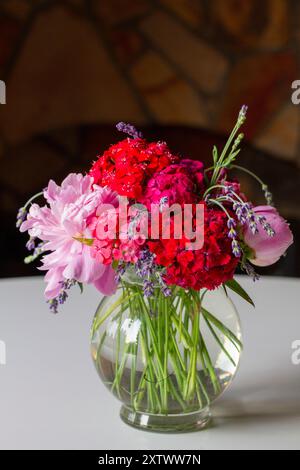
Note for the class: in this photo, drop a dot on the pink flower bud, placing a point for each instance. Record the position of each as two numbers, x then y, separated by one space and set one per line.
268 249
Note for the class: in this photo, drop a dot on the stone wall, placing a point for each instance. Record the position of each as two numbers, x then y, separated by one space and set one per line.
187 62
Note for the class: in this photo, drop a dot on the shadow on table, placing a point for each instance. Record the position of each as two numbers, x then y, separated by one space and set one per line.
271 401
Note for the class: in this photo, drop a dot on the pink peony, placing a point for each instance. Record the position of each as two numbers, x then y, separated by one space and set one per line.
267 250
179 183
71 207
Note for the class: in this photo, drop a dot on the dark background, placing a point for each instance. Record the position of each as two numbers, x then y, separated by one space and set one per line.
178 69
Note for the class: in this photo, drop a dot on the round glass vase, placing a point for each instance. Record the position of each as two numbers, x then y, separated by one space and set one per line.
166 358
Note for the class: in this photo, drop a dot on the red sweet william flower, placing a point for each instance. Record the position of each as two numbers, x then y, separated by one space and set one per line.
127 165
180 183
208 267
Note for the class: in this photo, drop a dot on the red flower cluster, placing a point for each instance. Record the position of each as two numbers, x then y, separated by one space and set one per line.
208 267
181 183
148 173
127 165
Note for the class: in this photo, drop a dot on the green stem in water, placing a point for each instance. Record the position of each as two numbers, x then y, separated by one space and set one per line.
166 353
191 379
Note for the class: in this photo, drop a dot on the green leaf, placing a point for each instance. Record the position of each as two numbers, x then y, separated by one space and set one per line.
80 287
85 241
233 155
215 154
237 288
115 264
231 158
224 330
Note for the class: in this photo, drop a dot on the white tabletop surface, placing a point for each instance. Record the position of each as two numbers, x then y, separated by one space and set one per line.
52 398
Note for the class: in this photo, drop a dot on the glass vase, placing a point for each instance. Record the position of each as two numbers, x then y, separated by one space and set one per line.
166 358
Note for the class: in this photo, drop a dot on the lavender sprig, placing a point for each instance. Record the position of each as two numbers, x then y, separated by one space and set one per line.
231 224
165 289
236 249
62 296
148 288
38 250
268 194
266 226
65 286
145 264
229 155
248 268
21 216
146 269
53 305
22 212
30 245
245 215
242 114
129 129
121 271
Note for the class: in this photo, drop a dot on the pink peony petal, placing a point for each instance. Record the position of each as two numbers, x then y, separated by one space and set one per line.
107 284
268 250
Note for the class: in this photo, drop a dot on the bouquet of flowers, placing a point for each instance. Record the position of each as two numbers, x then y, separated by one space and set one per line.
155 233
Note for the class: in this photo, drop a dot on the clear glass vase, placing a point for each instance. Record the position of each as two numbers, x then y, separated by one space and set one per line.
166 358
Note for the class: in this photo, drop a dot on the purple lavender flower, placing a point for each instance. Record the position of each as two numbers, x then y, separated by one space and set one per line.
245 214
236 249
53 305
228 189
62 296
248 268
242 114
165 289
148 288
129 129
65 286
146 269
21 216
252 223
240 212
266 226
38 250
232 234
145 264
121 271
231 223
30 245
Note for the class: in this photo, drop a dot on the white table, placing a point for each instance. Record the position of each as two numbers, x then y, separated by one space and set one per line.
52 398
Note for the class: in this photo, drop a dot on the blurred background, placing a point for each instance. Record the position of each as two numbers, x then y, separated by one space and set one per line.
178 69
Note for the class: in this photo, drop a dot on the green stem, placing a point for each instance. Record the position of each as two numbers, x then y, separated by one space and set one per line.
191 379
228 333
218 166
245 170
166 353
218 340
33 198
